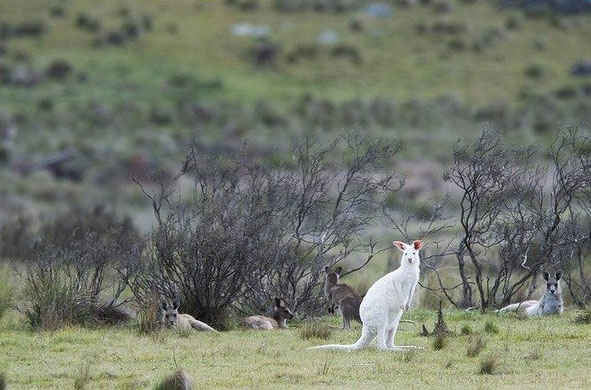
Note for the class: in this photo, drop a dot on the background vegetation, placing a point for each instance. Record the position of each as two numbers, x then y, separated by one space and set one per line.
226 151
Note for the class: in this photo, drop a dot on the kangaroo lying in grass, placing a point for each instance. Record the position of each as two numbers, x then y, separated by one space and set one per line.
385 302
550 303
341 296
281 314
171 316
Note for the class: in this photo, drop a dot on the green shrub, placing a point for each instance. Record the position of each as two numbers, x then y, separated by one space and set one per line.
87 22
534 71
57 11
315 330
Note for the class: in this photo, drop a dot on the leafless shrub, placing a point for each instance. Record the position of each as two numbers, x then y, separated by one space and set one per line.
250 233
520 215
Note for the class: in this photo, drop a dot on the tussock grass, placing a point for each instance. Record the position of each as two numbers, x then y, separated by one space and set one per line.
82 376
409 355
490 327
440 341
52 303
490 365
179 380
183 331
315 330
583 317
149 317
6 291
477 344
535 354
466 330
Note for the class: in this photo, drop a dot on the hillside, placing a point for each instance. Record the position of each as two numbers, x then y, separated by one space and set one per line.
124 86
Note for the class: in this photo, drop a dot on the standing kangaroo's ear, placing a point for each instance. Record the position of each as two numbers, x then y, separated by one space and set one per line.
278 301
417 244
176 304
558 275
399 244
327 270
338 270
163 305
546 275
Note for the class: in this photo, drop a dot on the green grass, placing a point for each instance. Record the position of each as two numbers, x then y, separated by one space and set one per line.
397 61
528 355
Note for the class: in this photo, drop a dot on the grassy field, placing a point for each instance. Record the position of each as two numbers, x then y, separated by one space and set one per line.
531 354
195 37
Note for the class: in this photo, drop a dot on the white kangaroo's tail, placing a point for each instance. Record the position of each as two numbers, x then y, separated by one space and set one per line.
199 325
517 306
364 340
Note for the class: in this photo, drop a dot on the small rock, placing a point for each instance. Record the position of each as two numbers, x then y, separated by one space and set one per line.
582 68
250 30
328 37
379 10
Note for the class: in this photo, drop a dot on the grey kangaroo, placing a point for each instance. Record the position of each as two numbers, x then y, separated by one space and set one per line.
281 314
341 296
171 317
550 303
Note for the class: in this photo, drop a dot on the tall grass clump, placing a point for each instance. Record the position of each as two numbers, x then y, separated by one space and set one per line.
476 346
582 318
6 291
315 330
78 270
149 316
490 364
82 376
51 302
440 341
177 381
466 330
490 327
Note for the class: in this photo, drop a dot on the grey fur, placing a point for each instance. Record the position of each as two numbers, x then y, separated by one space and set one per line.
550 303
342 296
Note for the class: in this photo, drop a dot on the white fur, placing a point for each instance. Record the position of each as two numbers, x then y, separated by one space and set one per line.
385 302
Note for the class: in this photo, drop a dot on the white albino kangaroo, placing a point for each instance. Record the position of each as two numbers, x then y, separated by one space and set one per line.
385 301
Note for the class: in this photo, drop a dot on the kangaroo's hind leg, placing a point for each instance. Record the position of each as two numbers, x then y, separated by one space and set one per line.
392 332
382 338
